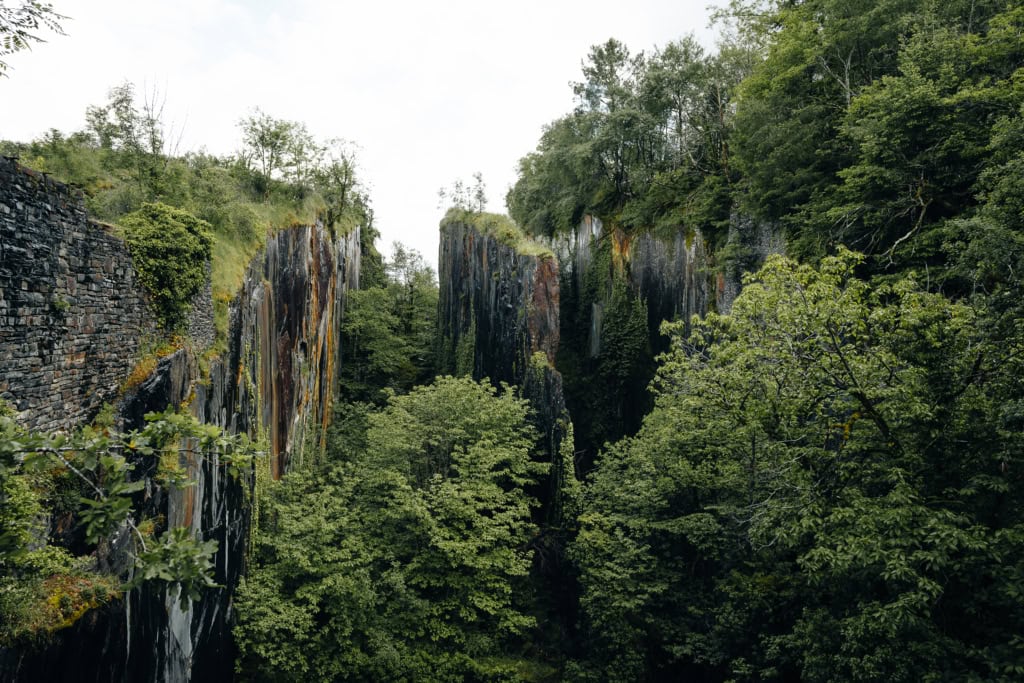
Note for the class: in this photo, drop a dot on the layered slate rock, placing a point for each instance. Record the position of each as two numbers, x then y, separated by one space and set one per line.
672 274
499 319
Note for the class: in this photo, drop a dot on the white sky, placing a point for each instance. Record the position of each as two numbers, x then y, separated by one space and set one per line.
429 91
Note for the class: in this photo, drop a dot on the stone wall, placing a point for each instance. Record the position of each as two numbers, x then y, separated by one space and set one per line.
199 324
72 314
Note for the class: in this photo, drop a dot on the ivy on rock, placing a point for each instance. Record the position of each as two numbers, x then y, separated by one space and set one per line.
170 249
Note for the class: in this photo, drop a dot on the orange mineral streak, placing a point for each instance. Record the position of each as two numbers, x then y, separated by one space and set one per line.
188 500
543 318
298 340
621 243
269 385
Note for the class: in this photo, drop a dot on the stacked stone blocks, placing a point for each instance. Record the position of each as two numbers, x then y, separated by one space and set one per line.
72 313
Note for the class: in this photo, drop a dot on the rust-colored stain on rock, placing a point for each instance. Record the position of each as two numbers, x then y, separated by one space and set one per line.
621 243
544 320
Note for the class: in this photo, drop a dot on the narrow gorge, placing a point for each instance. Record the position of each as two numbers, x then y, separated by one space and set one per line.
733 392
77 329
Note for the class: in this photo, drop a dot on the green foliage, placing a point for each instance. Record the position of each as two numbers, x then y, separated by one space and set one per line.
180 560
606 343
125 157
406 559
463 196
276 148
371 263
500 227
170 249
89 479
647 146
801 501
869 123
827 487
379 356
18 26
388 330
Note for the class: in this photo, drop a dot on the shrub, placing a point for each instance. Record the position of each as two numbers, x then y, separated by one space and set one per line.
170 248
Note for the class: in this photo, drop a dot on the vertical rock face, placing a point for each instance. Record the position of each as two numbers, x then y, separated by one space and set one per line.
601 292
498 307
676 275
279 375
617 289
276 381
609 279
499 318
672 275
754 241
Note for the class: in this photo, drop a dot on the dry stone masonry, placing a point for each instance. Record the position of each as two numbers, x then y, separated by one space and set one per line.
72 314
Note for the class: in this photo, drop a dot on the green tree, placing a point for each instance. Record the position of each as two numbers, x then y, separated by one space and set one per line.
334 176
92 478
170 249
19 24
922 138
646 147
133 139
555 184
866 123
405 562
388 330
277 148
823 490
672 84
461 195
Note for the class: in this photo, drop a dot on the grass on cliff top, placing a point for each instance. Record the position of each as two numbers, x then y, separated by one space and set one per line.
240 206
498 226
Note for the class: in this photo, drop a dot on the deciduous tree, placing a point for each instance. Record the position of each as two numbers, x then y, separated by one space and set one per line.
19 25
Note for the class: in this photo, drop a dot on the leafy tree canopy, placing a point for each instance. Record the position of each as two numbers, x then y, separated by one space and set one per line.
824 489
407 560
19 25
90 482
170 249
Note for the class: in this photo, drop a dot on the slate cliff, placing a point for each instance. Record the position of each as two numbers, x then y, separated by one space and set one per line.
72 322
589 303
617 288
499 318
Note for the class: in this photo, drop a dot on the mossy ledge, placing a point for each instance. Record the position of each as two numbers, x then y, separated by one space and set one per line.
498 226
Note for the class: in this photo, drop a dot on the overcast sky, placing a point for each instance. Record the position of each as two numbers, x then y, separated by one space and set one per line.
428 91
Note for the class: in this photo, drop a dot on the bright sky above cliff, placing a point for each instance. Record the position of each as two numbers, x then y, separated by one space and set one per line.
428 91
